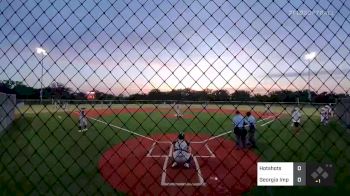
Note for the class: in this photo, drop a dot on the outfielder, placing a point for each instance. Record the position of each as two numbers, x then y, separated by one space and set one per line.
325 114
178 111
181 153
82 121
296 118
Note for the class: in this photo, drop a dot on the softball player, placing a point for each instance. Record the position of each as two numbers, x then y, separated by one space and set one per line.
181 153
296 118
330 110
82 121
325 115
178 111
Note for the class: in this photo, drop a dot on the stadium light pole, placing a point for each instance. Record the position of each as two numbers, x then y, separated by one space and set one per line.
42 52
309 57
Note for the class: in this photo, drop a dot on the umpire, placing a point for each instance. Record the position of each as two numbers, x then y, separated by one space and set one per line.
252 129
239 130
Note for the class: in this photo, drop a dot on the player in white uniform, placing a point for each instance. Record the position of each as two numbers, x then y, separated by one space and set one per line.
296 118
178 111
82 121
325 114
181 153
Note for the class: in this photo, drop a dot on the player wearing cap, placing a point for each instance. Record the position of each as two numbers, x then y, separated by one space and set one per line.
181 153
82 121
178 111
252 129
239 130
296 118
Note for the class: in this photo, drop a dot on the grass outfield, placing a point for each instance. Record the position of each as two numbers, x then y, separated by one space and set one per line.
43 153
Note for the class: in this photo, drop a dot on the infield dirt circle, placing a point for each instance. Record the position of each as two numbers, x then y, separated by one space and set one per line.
141 166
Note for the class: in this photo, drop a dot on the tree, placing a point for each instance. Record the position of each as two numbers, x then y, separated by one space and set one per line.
58 91
241 95
261 98
155 94
24 92
6 86
221 95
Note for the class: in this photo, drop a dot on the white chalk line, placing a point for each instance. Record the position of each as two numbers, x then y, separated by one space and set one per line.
159 141
163 177
149 154
268 122
165 165
228 132
150 150
212 155
121 128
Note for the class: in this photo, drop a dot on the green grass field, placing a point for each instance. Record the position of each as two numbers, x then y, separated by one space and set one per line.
43 153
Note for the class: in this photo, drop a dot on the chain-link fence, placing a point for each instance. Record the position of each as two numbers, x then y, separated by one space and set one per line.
171 97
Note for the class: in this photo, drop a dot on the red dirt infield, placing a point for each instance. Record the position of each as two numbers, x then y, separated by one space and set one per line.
184 116
143 167
98 112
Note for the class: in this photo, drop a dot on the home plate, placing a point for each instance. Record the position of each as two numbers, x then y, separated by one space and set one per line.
140 166
181 176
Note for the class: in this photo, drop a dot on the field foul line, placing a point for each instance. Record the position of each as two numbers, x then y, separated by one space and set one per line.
204 141
225 133
265 119
121 128
163 142
268 122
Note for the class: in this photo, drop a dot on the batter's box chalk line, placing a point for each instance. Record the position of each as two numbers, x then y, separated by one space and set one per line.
200 182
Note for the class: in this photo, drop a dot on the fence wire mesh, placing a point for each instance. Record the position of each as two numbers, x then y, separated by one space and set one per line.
153 97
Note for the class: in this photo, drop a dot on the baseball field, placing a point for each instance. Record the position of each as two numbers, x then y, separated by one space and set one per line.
126 150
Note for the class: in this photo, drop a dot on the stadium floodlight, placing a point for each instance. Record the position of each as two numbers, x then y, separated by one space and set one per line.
42 52
309 57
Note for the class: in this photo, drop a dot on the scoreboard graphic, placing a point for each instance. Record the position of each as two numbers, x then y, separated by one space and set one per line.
295 174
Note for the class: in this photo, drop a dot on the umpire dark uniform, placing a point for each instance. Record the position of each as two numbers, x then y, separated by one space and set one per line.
239 130
252 129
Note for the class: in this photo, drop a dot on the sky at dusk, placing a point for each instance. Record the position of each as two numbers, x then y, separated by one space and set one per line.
133 46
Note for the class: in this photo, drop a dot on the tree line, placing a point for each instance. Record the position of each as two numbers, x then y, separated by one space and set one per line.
60 91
